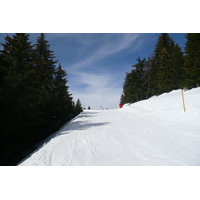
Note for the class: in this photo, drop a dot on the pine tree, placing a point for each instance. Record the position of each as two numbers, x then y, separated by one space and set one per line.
135 86
140 81
62 102
18 77
34 97
2 86
45 63
55 101
128 88
122 99
147 77
161 65
46 70
177 62
192 61
78 107
16 94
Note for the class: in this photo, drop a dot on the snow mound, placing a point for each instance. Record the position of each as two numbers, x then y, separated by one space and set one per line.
154 132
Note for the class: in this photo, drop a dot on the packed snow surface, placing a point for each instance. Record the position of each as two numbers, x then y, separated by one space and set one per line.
154 132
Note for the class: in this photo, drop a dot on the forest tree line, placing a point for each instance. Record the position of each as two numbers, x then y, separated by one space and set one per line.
169 68
34 96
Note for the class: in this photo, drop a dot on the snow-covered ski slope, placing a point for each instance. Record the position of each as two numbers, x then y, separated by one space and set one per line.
151 132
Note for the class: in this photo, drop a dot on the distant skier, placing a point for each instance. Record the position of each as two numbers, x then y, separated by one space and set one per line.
120 105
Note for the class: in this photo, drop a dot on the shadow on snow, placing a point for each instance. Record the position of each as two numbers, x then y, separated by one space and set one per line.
87 114
79 125
70 126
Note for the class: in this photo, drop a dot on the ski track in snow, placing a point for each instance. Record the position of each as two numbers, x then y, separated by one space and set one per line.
152 132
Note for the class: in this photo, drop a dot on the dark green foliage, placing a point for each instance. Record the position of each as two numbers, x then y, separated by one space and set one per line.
136 85
192 61
161 73
127 89
34 97
147 76
45 83
161 80
78 107
63 107
177 62
16 95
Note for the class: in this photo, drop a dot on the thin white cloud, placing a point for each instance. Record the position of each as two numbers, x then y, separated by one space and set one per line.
91 81
97 86
99 90
108 48
96 89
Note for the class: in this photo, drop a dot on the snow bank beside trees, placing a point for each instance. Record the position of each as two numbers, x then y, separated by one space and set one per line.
153 132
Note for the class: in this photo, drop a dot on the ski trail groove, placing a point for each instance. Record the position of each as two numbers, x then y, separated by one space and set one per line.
151 132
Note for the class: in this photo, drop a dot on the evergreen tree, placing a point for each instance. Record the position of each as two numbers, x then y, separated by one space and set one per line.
162 72
122 99
78 107
140 82
161 65
135 85
192 61
16 94
166 70
46 70
147 76
128 88
45 63
62 102
177 62
34 97
2 86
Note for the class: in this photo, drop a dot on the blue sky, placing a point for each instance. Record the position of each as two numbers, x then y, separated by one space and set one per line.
96 63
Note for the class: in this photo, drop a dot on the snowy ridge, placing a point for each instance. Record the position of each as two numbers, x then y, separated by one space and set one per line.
155 132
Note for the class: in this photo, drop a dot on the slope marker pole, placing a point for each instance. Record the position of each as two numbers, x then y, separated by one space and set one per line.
183 100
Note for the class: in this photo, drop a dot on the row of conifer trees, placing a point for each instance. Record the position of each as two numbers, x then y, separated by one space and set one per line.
169 68
34 97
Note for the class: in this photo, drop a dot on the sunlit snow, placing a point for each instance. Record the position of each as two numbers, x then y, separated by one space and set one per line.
154 132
